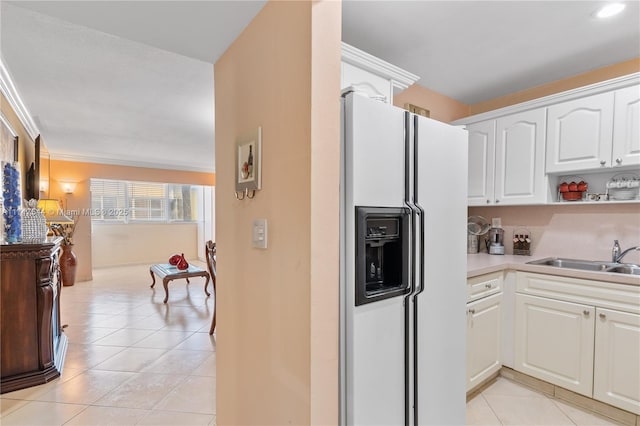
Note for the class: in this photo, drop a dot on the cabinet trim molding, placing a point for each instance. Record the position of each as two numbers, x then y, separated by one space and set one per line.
399 77
592 89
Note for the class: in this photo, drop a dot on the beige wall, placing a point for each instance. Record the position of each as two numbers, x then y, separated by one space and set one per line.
446 109
590 77
131 244
278 308
441 107
81 198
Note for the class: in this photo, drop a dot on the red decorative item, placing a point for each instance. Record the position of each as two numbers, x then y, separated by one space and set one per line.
572 191
179 261
183 264
173 260
564 187
572 196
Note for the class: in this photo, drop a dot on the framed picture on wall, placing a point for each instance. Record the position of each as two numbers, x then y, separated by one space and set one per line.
249 162
8 141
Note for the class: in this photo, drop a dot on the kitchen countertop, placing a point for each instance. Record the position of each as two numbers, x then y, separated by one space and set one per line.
483 263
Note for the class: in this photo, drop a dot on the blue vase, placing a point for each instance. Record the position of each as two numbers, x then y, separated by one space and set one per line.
12 202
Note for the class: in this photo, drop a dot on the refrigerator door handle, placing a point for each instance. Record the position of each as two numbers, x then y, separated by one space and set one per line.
416 203
418 271
417 245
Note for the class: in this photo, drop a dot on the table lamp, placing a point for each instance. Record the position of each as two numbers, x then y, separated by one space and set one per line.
52 213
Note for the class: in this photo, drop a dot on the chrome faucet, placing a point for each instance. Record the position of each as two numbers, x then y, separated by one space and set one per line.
615 252
616 255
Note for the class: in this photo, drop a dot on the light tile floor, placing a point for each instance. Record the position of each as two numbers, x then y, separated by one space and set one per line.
132 360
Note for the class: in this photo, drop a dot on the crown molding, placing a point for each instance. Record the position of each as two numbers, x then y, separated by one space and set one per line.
130 163
399 77
8 89
580 92
5 121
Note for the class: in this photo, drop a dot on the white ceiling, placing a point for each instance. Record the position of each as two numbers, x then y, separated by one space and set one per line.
132 82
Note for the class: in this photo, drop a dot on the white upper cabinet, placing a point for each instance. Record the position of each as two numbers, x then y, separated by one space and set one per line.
626 127
595 132
591 131
506 160
579 134
373 76
519 174
482 148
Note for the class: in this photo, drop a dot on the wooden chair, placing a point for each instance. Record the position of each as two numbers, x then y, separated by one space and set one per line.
210 250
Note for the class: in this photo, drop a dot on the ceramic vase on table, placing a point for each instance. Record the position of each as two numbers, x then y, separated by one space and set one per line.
68 265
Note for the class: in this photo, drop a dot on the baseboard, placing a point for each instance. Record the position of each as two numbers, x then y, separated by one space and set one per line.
482 386
624 417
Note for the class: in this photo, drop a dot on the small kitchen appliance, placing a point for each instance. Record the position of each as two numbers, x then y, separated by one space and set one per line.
476 226
496 237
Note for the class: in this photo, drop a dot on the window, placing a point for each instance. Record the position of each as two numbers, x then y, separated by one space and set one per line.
127 201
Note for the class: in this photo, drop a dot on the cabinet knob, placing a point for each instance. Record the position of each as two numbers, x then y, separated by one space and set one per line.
603 316
618 161
586 313
472 311
497 201
603 162
488 201
488 285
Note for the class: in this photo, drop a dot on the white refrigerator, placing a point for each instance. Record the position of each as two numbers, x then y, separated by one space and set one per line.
403 267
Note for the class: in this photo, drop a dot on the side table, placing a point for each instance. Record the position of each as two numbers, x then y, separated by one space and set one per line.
169 273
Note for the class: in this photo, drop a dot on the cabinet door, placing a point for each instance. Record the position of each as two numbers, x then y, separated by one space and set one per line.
519 175
481 162
616 378
554 342
483 339
579 134
626 127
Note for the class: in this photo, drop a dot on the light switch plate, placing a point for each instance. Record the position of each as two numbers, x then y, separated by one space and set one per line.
259 233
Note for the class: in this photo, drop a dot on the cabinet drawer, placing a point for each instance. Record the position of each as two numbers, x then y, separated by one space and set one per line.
484 285
595 293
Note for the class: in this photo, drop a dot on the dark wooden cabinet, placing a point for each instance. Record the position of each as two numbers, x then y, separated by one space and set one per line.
32 345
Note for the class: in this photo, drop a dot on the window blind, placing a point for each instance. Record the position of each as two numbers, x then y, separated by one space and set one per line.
131 201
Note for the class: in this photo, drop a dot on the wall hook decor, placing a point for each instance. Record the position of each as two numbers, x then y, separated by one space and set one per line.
249 164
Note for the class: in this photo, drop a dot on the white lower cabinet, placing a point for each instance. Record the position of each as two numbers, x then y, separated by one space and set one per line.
484 324
483 339
554 342
616 368
572 332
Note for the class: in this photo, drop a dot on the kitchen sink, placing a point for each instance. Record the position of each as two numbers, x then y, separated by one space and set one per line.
625 269
588 265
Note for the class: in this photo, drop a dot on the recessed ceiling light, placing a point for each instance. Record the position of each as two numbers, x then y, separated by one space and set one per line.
609 10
